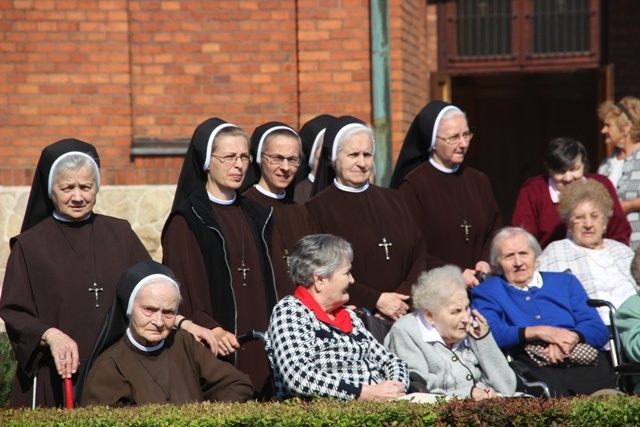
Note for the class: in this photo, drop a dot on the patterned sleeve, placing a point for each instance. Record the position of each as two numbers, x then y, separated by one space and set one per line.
291 347
391 365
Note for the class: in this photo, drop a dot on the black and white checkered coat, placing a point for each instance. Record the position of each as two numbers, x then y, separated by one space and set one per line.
311 358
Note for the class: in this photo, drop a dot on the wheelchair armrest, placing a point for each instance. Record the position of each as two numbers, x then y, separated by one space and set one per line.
251 335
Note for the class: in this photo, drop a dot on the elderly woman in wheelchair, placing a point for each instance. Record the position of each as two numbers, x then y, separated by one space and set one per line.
317 347
543 318
603 266
449 349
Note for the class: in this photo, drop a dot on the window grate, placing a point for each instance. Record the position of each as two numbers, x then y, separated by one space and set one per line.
561 26
484 28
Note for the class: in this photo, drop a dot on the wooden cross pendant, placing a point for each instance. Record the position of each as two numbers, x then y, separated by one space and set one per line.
244 270
466 227
386 247
286 259
95 290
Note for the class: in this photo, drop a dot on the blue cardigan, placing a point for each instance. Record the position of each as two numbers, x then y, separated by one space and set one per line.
561 302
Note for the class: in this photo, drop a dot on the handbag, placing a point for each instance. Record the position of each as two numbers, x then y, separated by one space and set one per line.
582 355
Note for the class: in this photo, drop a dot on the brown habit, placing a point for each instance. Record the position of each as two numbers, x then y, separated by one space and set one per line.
47 286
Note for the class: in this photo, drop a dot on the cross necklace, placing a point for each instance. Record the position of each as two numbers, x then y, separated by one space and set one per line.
385 244
95 289
465 225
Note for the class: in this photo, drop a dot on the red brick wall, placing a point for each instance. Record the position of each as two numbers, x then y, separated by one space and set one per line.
111 72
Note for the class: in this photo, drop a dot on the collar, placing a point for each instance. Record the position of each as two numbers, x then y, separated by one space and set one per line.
442 168
430 334
536 282
350 189
57 216
222 201
342 318
269 193
140 347
553 191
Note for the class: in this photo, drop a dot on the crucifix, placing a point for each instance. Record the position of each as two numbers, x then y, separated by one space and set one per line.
95 290
386 247
466 227
286 259
244 270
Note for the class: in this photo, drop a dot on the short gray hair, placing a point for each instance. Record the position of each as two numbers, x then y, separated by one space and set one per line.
507 233
435 287
320 255
74 162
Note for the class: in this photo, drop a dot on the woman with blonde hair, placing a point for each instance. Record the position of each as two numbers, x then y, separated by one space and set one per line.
622 130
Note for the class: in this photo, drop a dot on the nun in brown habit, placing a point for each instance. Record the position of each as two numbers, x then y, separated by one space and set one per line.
140 358
62 273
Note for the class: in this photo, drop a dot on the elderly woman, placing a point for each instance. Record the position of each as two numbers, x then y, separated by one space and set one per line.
62 269
312 136
216 242
603 266
543 319
536 208
277 150
447 351
142 359
622 130
317 347
453 205
375 220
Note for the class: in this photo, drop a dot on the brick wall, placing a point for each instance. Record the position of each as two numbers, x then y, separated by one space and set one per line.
113 72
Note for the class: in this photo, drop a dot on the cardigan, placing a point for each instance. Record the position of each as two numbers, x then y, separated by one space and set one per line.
628 188
561 302
536 212
311 358
565 254
474 363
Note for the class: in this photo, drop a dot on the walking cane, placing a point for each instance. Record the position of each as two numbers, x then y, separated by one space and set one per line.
68 393
35 385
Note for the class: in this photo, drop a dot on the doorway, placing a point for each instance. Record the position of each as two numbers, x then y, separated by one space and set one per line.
514 116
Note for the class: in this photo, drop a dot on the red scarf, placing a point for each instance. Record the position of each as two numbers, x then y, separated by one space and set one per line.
341 317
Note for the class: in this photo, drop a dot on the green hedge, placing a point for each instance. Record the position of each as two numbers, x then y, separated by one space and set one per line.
7 369
610 411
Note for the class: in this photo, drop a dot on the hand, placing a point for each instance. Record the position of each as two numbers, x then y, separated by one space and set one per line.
386 390
555 353
470 279
203 335
483 327
64 351
227 342
483 267
564 338
478 393
392 305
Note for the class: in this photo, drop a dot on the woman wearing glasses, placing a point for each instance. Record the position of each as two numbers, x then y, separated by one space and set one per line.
217 241
277 151
389 250
452 204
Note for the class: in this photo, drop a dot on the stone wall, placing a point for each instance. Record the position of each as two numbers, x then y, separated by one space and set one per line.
145 207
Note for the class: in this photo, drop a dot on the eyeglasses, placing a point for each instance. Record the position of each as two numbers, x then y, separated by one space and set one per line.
231 159
457 138
277 160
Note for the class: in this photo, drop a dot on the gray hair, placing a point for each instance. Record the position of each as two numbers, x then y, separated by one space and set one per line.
348 134
73 162
507 233
320 255
435 287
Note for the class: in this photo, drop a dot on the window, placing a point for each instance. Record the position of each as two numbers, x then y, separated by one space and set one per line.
507 35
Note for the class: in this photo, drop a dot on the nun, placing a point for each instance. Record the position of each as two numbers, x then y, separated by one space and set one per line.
390 251
141 359
277 151
62 273
453 205
312 136
217 244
